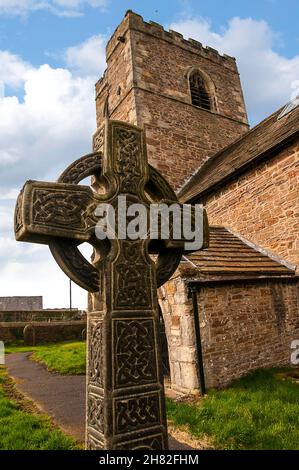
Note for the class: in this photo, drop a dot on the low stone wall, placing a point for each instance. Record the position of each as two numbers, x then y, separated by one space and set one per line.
44 332
11 332
42 315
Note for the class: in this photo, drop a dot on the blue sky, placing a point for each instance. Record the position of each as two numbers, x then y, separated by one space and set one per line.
51 54
35 34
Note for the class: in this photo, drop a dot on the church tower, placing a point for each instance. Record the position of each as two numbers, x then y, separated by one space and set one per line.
187 97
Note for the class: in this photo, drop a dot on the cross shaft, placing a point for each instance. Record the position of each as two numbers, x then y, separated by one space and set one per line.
125 392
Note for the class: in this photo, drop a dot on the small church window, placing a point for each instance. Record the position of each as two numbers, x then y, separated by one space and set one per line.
199 95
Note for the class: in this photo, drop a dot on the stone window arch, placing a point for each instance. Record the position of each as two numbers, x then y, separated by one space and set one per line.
202 90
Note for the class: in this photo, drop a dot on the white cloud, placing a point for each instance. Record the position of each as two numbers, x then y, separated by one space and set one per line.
13 69
39 137
51 125
266 75
41 277
78 3
11 194
88 57
58 7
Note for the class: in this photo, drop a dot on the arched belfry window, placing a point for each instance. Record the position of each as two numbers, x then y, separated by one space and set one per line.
199 93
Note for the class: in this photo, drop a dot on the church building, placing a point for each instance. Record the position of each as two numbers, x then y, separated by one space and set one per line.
233 307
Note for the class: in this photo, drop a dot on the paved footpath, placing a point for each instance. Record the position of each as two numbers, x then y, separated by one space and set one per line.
60 396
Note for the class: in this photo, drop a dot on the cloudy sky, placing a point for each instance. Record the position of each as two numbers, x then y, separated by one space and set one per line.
52 53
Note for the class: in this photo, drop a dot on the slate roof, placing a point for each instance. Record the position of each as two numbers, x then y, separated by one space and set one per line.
230 257
260 142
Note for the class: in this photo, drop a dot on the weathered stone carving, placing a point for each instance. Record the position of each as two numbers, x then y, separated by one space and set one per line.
131 279
18 214
95 411
135 413
127 159
98 140
152 443
135 359
125 397
95 353
60 209
82 168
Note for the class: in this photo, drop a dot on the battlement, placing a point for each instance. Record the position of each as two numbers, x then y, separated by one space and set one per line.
133 21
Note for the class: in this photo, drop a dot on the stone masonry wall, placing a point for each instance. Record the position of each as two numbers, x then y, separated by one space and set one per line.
44 332
116 85
180 136
247 326
263 205
179 327
146 83
244 326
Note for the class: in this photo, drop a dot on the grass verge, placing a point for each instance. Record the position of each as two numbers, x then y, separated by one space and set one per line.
260 411
22 428
67 358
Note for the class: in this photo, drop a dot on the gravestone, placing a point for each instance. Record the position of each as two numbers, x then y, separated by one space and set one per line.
125 392
29 335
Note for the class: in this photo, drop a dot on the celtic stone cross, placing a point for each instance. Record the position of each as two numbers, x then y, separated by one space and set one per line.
125 393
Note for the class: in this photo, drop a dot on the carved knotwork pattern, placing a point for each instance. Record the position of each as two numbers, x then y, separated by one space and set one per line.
94 444
136 413
18 214
82 168
132 278
149 443
59 208
69 257
128 159
95 352
135 361
98 140
63 209
95 412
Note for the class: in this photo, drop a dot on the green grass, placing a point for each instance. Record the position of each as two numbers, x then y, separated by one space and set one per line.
22 430
63 358
260 411
18 347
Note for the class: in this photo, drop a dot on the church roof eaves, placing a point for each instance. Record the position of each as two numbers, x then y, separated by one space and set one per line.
230 257
261 142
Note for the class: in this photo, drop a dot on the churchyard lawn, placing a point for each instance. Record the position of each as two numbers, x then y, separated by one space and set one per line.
22 427
259 411
67 358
